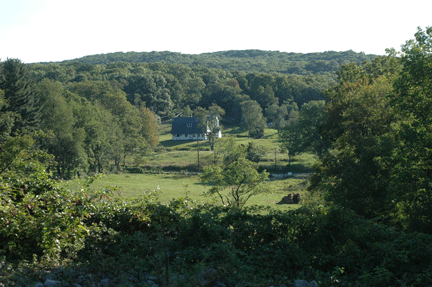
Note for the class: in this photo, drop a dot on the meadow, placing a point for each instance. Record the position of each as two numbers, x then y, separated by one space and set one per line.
185 153
180 156
169 186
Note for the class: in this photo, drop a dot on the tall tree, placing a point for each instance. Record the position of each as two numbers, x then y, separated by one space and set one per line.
214 118
253 118
20 95
7 119
412 157
149 127
210 122
303 134
66 142
358 138
277 115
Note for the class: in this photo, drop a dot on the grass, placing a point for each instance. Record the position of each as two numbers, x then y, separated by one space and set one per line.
181 155
184 153
269 140
175 185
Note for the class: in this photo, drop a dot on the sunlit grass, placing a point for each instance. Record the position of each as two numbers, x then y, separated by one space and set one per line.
174 185
183 154
269 141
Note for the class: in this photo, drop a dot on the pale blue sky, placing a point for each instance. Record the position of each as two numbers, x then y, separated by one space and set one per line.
55 30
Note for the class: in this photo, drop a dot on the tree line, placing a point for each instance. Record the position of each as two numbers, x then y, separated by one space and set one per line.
88 115
77 125
172 89
166 88
373 137
325 63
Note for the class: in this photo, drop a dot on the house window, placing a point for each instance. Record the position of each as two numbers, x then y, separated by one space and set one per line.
189 125
178 136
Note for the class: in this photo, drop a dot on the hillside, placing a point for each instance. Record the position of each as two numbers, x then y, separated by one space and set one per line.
241 60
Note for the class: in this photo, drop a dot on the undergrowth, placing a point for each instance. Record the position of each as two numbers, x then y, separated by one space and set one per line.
72 234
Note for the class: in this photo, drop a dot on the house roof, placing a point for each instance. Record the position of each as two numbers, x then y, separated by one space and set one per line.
186 125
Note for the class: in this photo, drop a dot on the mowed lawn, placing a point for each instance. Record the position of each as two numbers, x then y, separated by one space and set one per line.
174 185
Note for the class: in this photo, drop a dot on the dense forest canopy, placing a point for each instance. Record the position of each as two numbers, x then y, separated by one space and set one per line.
241 60
104 108
167 82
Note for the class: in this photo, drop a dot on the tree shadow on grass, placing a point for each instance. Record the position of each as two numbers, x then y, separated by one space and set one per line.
171 143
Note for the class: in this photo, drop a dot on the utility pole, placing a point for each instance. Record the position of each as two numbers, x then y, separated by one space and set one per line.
198 152
275 157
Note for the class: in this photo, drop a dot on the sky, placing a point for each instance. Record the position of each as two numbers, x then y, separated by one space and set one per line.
57 30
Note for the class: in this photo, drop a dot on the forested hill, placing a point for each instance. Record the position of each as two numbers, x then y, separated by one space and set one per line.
241 60
169 83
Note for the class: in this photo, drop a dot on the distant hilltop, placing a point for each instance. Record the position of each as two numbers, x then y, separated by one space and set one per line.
240 60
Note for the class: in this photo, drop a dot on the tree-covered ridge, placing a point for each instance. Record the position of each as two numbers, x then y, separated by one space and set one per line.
167 88
94 114
241 60
167 82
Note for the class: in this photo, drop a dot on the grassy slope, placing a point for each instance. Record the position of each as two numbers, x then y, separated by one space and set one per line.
180 152
183 153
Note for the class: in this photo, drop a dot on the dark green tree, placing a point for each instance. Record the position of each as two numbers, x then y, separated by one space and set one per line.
277 115
411 160
254 152
20 95
63 138
302 134
253 119
150 90
357 128
7 119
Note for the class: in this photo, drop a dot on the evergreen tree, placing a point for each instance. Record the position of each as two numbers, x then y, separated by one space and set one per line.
6 119
20 95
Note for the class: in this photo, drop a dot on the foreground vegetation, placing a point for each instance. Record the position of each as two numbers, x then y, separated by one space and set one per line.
88 236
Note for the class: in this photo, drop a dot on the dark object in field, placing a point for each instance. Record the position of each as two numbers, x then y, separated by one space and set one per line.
292 198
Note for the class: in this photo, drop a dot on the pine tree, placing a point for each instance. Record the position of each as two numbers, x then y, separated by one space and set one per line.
20 95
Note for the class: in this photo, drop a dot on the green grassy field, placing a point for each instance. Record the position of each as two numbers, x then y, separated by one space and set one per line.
183 154
175 185
269 141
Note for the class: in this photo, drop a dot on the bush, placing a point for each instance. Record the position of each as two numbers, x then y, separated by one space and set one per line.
47 225
114 236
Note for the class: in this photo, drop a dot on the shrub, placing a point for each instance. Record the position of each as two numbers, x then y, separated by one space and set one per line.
115 236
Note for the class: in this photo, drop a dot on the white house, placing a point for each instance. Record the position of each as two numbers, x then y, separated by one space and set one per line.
188 128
